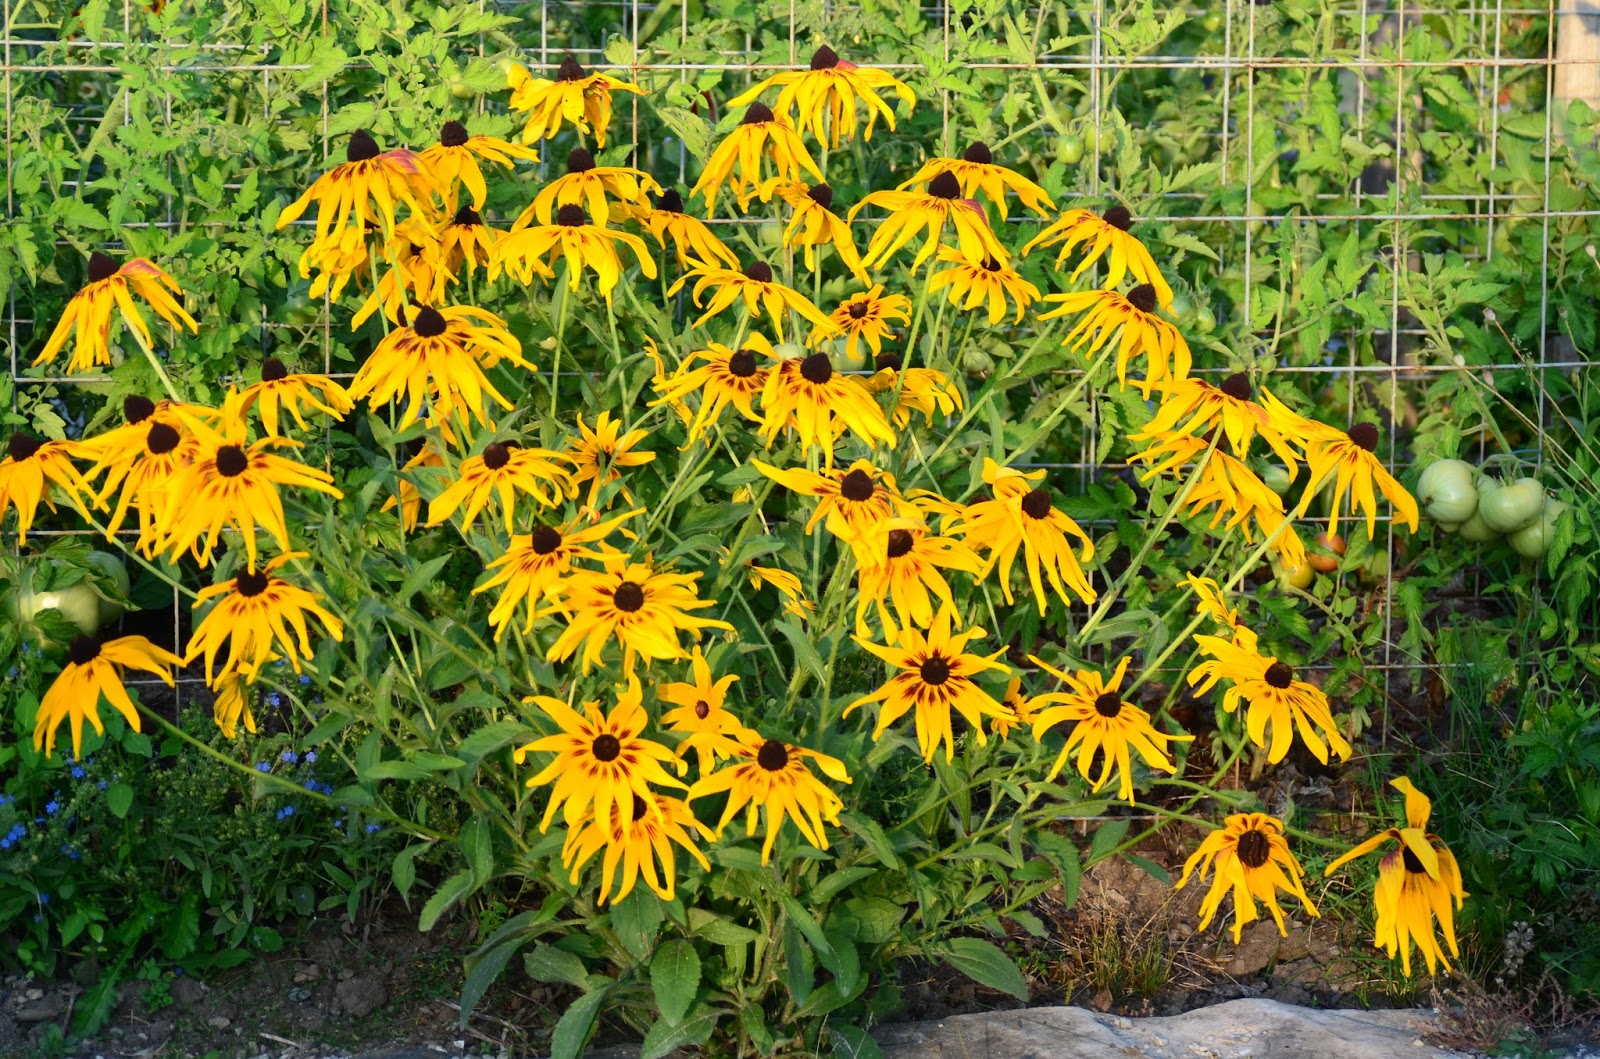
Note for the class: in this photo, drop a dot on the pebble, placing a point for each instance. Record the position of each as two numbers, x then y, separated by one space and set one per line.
218 1022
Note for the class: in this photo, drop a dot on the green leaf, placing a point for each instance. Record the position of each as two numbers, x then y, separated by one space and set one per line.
419 577
853 1042
119 799
985 964
477 846
675 976
718 931
431 762
636 920
873 835
804 652
395 770
546 963
454 889
807 925
665 1038
824 891
491 737
576 1024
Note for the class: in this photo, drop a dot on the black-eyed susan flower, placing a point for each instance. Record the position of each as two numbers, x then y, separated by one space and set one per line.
28 471
581 244
408 498
708 727
820 404
771 775
1103 235
580 99
1193 408
691 239
1275 698
865 317
1209 601
465 240
1417 883
826 94
93 671
641 608
929 210
989 283
531 569
502 469
283 390
259 617
591 186
600 454
1014 700
736 161
231 705
342 255
757 291
368 177
142 467
635 844
925 390
1348 460
413 272
977 171
1251 860
935 678
1021 516
855 500
453 162
722 377
602 760
87 318
813 222
901 563
1132 321
788 586
439 355
1102 723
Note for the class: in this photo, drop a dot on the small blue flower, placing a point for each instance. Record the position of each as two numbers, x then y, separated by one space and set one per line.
52 807
311 757
78 772
38 819
5 843
263 766
289 756
102 785
44 898
311 785
373 829
286 812
274 699
305 678
4 799
12 672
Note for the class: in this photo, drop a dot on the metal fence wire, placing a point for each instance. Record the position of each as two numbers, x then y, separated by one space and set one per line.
1392 75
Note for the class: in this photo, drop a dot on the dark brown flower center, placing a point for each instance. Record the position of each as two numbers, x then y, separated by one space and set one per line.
496 455
640 807
1412 861
101 267
990 265
1365 435
136 408
272 370
83 650
742 364
606 747
773 756
758 271
670 201
1237 386
900 542
857 486
934 670
454 134
816 368
466 216
579 160
161 439
945 186
759 113
250 584
23 446
572 216
546 539
1253 848
1279 675
1108 704
569 70
702 709
979 153
628 597
822 195
1143 298
824 58
1118 217
1037 503
231 461
858 310
361 147
428 322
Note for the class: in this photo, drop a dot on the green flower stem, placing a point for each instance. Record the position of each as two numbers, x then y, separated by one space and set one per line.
561 332
155 362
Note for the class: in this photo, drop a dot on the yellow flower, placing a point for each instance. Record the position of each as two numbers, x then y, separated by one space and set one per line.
410 499
709 729
1018 704
926 390
415 272
736 161
813 222
1252 860
829 90
255 619
641 608
1347 459
788 586
1193 408
1276 699
1022 516
602 762
866 316
901 562
1104 236
990 282
1416 884
453 161
911 212
87 317
818 402
977 172
466 240
582 244
935 677
691 239
1132 321
582 100
1103 722
384 177
532 568
855 501
636 844
598 455
279 387
724 377
756 288
772 775
27 472
340 256
1209 601
503 468
140 458
232 704
93 670
588 185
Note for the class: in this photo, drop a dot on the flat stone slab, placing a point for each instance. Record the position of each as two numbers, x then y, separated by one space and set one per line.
1253 1028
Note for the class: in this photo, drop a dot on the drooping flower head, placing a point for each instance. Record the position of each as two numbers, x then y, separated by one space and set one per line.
533 566
977 171
1022 516
1252 861
636 843
722 377
453 161
820 404
855 500
583 245
466 240
755 288
502 470
900 562
27 472
987 283
1192 408
93 671
826 95
926 390
929 210
691 239
260 617
592 187
813 222
87 318
736 161
1276 699
580 99
641 608
283 390
771 775
368 177
1104 235
1349 460
1131 320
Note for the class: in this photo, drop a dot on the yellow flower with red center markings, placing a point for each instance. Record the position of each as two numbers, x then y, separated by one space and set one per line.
788 586
533 566
1132 321
342 255
691 239
583 245
1022 517
602 762
502 470
31 466
1417 883
736 161
636 844
926 390
755 288
1275 698
592 187
255 619
708 727
414 272
1348 460
1102 722
643 609
94 670
159 446
935 678
467 240
902 563
283 390
813 222
865 317
855 501
87 318
826 96
988 282
1253 862
977 172
912 212
722 377
384 177
579 99
453 162
599 455
439 356
231 705
1193 408
808 395
1104 235
771 775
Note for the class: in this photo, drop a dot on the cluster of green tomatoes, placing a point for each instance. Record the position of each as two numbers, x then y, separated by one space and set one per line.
1481 507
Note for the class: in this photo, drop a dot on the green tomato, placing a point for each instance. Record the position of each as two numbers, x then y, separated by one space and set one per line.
114 568
1276 478
1474 529
1293 576
1512 507
1446 491
462 90
771 234
1069 149
79 604
1533 540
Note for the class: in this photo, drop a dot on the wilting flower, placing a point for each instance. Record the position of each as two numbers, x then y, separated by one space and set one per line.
691 239
772 775
1347 459
255 618
756 288
901 562
440 355
31 466
231 705
641 608
855 501
789 587
1018 704
92 670
912 212
1275 698
722 377
1417 882
466 240
502 469
87 317
533 566
1022 517
1105 235
814 223
598 455
1209 601
384 177
417 272
988 282
590 186
453 161
926 390
709 729
409 499
819 403
1130 319
1194 409
977 172
1251 859
280 388
736 161
582 100
636 844
866 316
826 96
582 244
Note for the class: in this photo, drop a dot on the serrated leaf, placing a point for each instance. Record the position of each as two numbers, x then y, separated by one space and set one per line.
985 964
575 1025
675 978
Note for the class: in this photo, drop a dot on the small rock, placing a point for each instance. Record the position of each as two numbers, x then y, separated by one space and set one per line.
33 994
299 994
218 1022
186 992
361 996
1102 1000
309 973
346 974
41 1008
